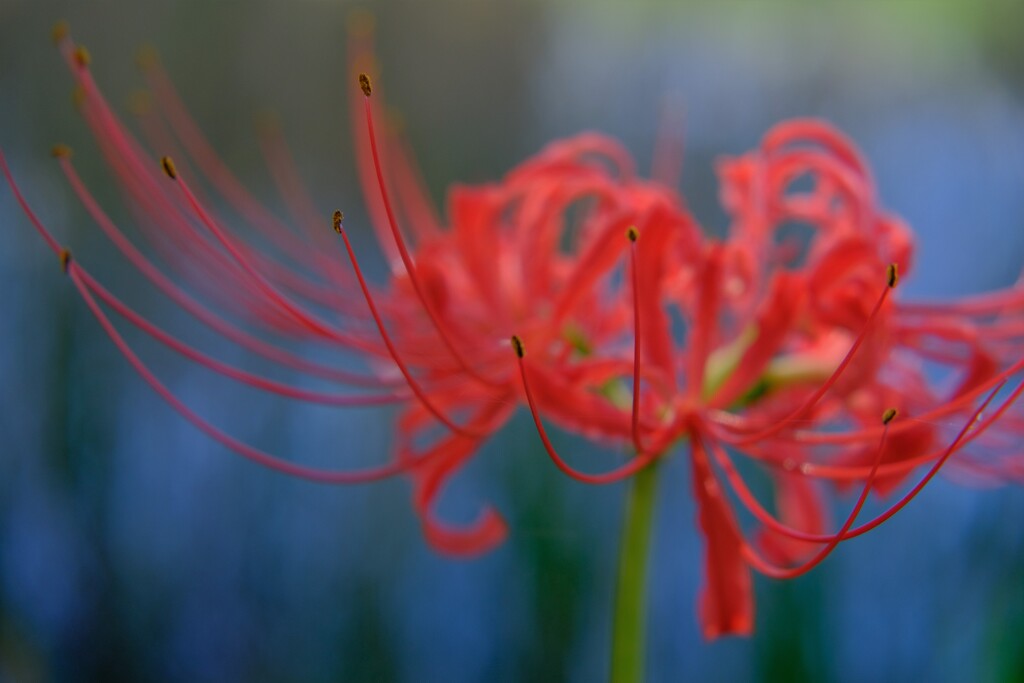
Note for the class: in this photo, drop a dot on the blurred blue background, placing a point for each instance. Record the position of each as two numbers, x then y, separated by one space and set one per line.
133 548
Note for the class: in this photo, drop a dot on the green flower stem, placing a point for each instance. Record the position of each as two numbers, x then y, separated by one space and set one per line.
629 626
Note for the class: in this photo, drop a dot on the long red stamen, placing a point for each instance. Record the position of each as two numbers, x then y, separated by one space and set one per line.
891 279
312 322
754 506
211 165
198 310
50 240
125 153
948 408
281 164
230 371
912 493
410 268
636 464
261 457
386 338
989 303
270 270
841 473
632 234
769 569
126 156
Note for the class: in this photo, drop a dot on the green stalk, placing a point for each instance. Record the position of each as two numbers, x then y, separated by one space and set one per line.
629 622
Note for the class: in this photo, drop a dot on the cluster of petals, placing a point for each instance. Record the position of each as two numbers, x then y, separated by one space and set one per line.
783 344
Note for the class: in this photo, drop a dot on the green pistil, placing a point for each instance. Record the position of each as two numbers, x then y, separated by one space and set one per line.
781 372
722 362
784 371
577 340
617 393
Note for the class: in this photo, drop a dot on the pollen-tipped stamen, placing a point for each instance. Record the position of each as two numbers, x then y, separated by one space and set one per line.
292 190
306 318
950 407
261 457
82 57
168 165
403 251
229 371
751 503
517 346
953 447
619 473
632 234
814 398
770 569
415 386
216 171
203 314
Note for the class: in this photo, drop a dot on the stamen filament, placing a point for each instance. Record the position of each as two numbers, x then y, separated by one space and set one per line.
386 338
256 455
228 370
953 448
50 240
312 322
769 569
947 408
198 310
832 379
632 234
212 166
410 268
621 472
750 502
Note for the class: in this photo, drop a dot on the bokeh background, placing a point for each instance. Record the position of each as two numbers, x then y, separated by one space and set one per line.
132 548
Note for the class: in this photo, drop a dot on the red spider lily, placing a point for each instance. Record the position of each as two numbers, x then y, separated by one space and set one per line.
791 354
796 357
435 338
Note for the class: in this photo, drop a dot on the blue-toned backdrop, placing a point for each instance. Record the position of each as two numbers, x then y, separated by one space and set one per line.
133 548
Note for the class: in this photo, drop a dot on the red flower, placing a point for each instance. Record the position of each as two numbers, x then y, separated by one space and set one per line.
796 358
629 325
435 338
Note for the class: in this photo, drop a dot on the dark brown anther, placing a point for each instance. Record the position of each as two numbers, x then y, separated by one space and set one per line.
889 415
364 83
517 345
632 233
892 275
65 259
338 218
82 56
169 168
